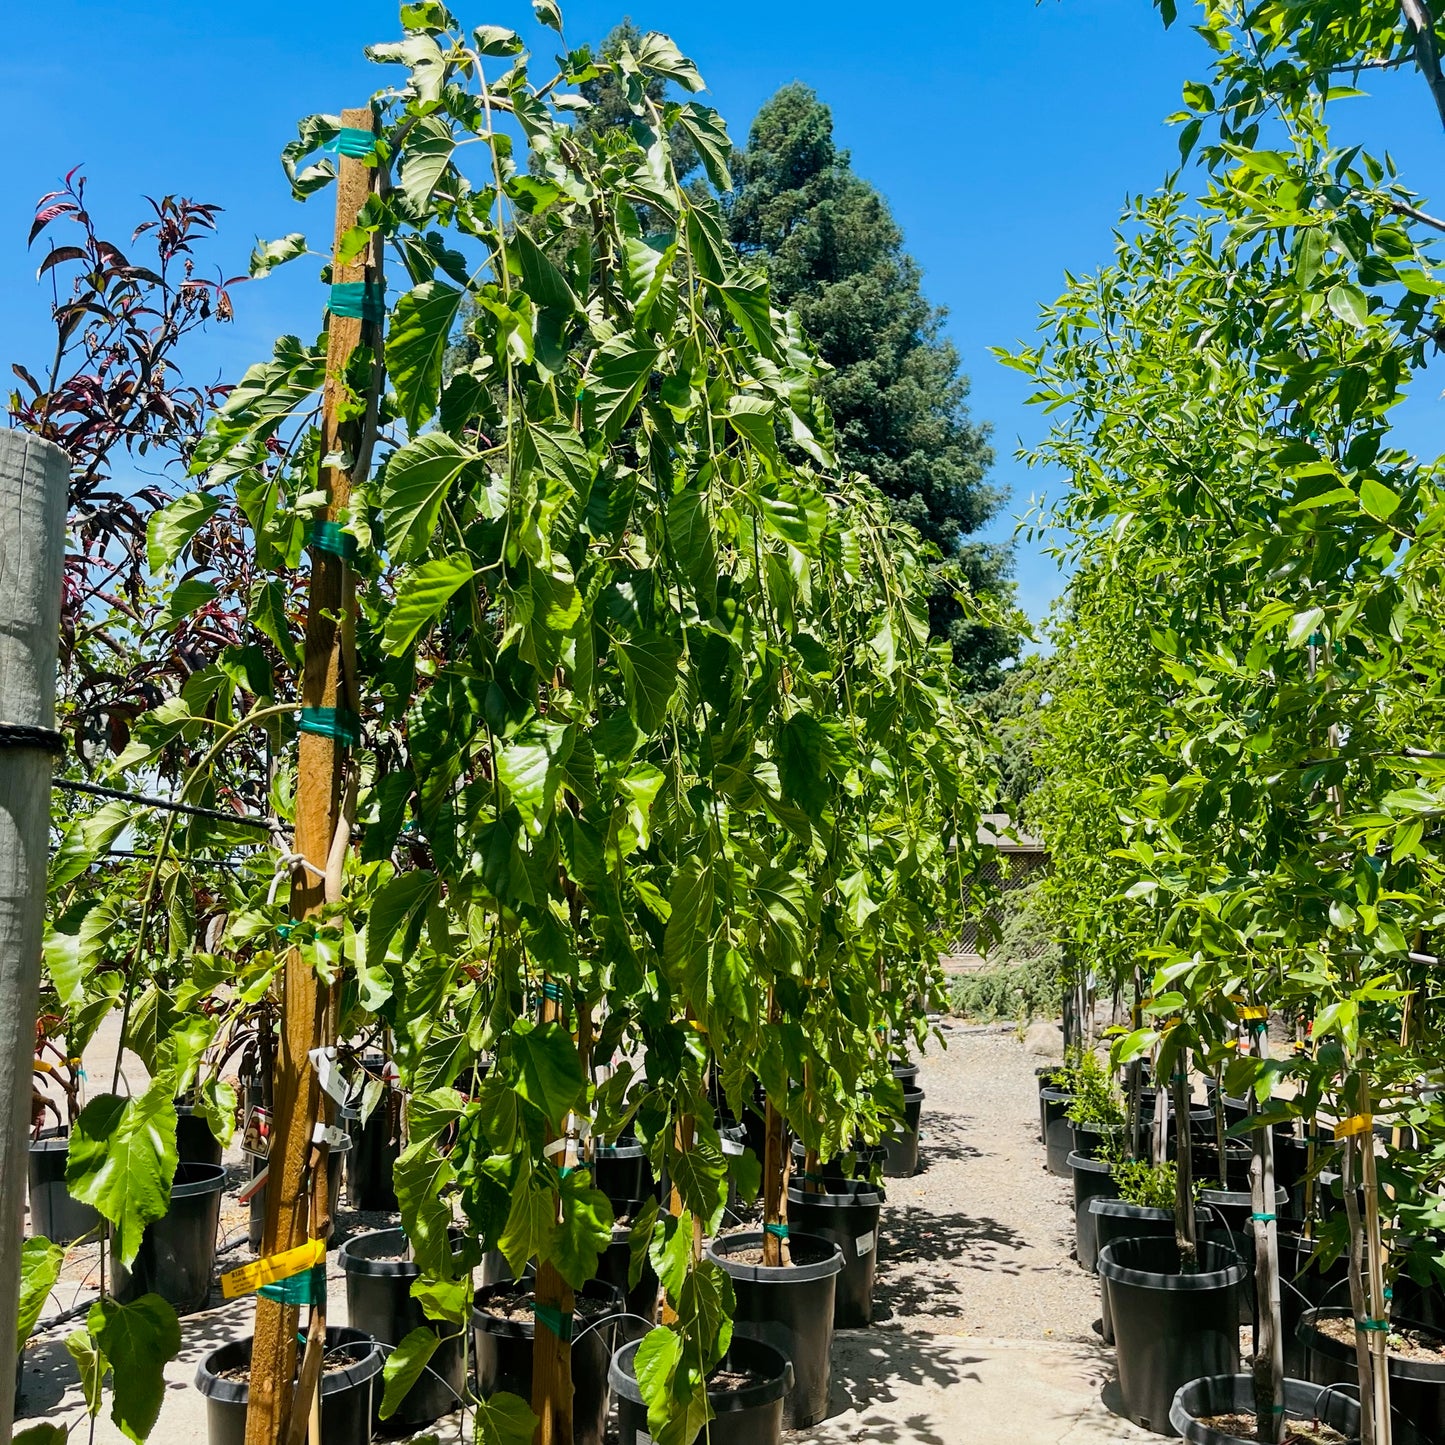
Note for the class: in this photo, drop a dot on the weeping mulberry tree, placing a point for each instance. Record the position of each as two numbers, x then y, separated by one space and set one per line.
652 762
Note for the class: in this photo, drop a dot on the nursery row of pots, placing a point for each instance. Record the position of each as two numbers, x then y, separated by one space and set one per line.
1176 1332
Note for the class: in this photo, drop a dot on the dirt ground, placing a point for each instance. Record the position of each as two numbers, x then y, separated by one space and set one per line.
982 1316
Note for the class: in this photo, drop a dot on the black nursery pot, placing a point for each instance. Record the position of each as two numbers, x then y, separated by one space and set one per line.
906 1072
847 1215
855 1166
503 1350
614 1266
622 1172
346 1394
752 1415
1114 1219
1231 1394
195 1144
334 1159
369 1184
1058 1131
1303 1285
1417 1387
1230 1227
1169 1328
178 1251
379 1302
901 1159
789 1307
54 1211
1093 1179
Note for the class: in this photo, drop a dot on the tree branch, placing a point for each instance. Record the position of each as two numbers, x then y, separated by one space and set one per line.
1421 24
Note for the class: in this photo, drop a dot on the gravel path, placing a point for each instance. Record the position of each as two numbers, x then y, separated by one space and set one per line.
980 1242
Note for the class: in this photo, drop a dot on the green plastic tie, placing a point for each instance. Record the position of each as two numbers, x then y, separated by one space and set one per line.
1378 1326
332 722
354 142
552 991
285 930
778 1231
308 1287
558 1321
329 538
1264 1218
363 299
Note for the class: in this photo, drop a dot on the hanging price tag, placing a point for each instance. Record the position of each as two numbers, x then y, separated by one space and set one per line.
1355 1124
250 1277
1249 1011
256 1137
328 1075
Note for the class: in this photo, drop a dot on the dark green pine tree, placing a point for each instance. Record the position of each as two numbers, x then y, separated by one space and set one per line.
835 255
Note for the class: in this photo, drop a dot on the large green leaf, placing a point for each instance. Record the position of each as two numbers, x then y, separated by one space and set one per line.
708 133
122 1159
649 672
659 56
418 478
422 594
689 926
87 839
425 158
530 767
138 1340
549 1073
503 1419
584 1233
531 1222
398 904
422 1175
620 371
81 1347
404 1367
545 283
175 524
40 1263
416 344
674 1392
692 537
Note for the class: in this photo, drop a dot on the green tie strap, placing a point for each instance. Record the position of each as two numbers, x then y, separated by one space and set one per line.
353 142
308 1287
558 1321
329 538
363 299
778 1231
332 722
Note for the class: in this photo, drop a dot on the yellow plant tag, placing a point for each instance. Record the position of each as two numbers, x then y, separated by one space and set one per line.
1253 1011
250 1277
1355 1124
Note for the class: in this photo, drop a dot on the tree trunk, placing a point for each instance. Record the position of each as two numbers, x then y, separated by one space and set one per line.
1184 1234
1269 1332
34 489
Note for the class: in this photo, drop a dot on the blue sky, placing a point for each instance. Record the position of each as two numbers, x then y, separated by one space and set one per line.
1004 133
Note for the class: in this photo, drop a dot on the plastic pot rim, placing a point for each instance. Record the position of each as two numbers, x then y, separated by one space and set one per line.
622 1149
354 1260
1123 1209
238 1392
622 1376
1238 1198
1055 1096
718 1252
1422 1372
1089 1166
865 1196
1241 1387
212 1180
526 1329
1170 1282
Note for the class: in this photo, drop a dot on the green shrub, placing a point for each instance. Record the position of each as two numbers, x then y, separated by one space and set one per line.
1095 1102
1148 1186
1012 993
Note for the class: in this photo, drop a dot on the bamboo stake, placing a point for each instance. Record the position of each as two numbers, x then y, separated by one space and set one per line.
775 1176
552 1346
1375 1263
328 681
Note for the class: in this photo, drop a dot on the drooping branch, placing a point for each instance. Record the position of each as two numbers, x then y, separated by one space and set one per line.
1421 24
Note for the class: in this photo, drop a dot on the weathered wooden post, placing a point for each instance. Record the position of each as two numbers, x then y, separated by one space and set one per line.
34 481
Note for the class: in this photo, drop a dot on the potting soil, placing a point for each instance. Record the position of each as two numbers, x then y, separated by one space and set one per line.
1296 1432
1404 1344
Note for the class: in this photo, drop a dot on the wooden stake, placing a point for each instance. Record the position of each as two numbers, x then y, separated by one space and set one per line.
775 1186
552 1347
328 682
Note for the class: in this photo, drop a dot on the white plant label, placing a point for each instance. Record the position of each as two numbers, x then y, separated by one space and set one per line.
865 1244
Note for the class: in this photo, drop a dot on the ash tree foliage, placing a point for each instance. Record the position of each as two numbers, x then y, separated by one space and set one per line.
1242 754
660 768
